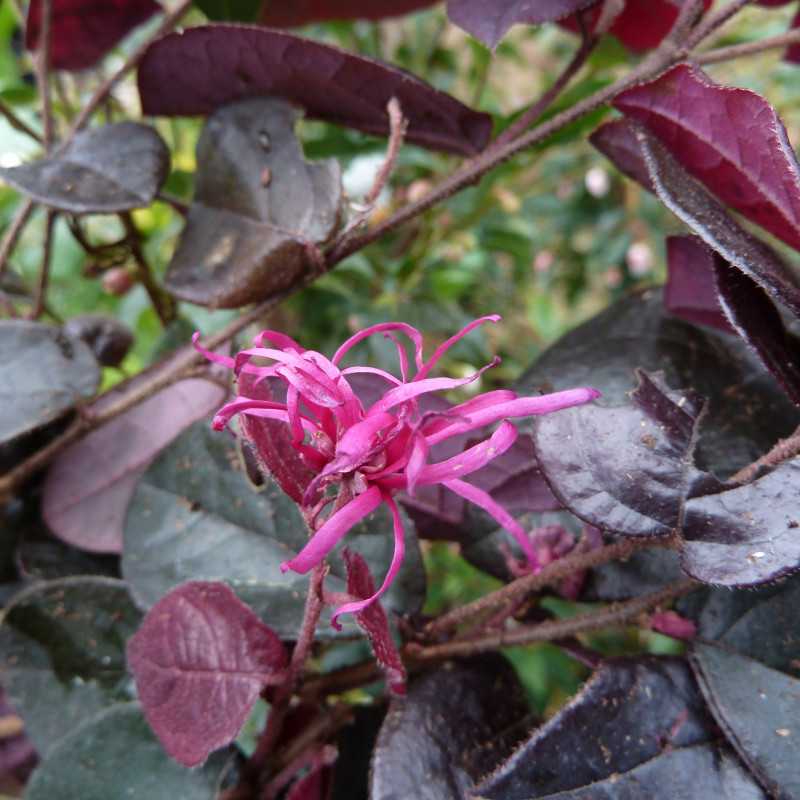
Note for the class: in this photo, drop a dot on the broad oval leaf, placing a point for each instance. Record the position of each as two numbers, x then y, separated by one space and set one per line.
200 660
747 534
46 373
628 468
456 724
62 653
758 709
292 13
232 62
617 141
638 728
747 411
115 754
83 31
194 516
89 485
109 339
490 22
111 168
730 139
258 205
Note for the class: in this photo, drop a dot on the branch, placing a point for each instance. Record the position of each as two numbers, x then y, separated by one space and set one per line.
167 24
551 574
782 451
13 232
715 20
613 615
43 72
749 49
16 122
44 272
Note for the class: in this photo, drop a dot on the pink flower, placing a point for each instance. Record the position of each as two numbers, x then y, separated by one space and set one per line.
368 455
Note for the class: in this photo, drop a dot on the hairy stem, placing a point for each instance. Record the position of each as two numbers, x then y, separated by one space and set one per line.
14 230
43 72
615 614
749 48
782 451
16 122
553 573
44 271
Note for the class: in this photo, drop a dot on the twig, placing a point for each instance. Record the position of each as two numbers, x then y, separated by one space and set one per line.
530 116
167 24
613 615
749 48
44 272
550 575
162 302
16 122
43 72
782 451
341 680
714 21
13 232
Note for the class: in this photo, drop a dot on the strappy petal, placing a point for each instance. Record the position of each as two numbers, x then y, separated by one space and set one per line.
214 358
408 330
445 346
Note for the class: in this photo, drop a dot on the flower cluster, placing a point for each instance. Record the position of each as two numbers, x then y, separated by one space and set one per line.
362 457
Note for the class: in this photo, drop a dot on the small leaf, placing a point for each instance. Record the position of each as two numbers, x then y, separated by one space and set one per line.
293 13
83 31
644 572
108 338
456 723
115 754
730 139
691 290
747 534
200 660
374 622
195 517
625 469
258 205
617 141
232 62
89 485
758 709
639 728
62 644
46 373
490 22
112 168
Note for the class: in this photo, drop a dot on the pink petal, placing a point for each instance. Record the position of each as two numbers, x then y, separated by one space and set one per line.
494 509
397 560
521 407
416 462
408 330
445 346
334 528
240 404
279 339
373 371
408 391
401 355
215 358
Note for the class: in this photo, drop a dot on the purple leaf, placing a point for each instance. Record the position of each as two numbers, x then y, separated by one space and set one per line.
292 13
695 206
758 322
793 52
617 141
232 62
200 660
374 622
747 534
490 22
83 31
17 756
109 339
89 486
730 139
691 290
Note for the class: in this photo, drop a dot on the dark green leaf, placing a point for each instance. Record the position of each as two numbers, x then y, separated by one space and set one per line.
194 516
111 168
258 206
45 374
115 754
63 653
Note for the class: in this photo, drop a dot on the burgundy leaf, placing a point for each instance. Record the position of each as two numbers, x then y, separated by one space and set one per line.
642 25
291 13
231 62
691 290
83 31
756 319
698 209
200 660
730 139
490 21
617 141
272 443
374 622
89 486
793 52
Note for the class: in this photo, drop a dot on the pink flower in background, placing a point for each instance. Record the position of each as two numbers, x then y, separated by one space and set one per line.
361 457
